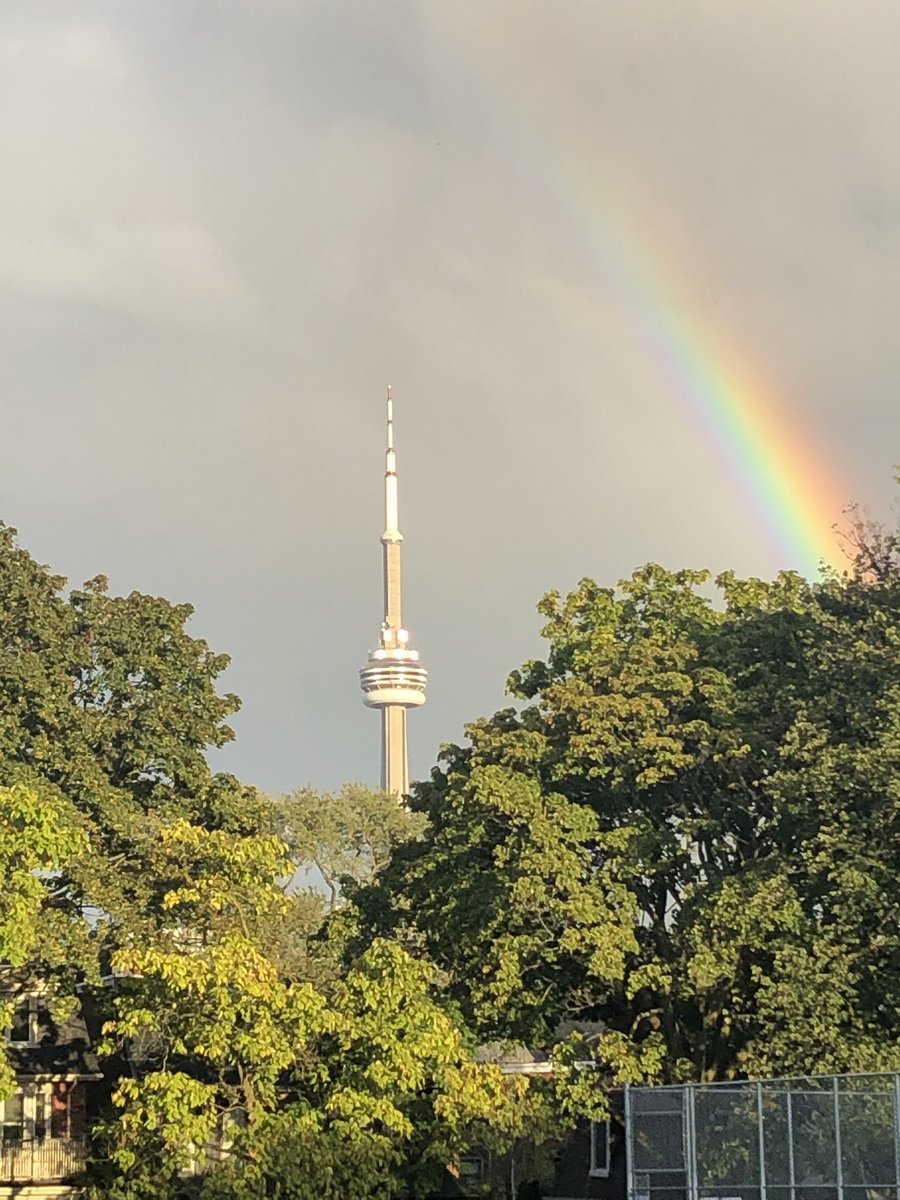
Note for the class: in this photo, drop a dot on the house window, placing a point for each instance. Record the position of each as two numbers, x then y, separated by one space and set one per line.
12 1118
600 1149
473 1170
27 1116
23 1026
41 1111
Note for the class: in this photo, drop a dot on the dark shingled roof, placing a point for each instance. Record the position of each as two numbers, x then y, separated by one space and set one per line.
63 1048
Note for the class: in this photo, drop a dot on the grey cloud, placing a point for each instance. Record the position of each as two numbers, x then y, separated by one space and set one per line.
227 225
173 272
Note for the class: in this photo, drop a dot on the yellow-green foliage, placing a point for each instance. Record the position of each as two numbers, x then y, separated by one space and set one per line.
348 1086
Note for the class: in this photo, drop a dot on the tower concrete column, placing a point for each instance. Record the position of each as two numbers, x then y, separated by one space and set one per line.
393 679
394 755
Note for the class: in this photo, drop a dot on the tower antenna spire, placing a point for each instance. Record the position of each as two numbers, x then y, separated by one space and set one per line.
391 512
393 679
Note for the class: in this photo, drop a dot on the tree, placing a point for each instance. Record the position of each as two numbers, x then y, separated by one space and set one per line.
107 708
874 548
109 703
348 837
38 836
353 1086
233 1010
105 696
687 831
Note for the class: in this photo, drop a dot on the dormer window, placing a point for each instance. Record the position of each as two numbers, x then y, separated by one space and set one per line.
23 1026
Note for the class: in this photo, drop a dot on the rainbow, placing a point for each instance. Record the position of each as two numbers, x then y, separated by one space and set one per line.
791 493
785 484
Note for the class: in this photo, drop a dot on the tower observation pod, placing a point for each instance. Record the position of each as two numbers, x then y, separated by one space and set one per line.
393 679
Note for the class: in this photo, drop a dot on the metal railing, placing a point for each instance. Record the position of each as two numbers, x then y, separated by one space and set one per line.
831 1137
30 1161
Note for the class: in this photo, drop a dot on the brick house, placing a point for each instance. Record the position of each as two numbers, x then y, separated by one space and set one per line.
43 1125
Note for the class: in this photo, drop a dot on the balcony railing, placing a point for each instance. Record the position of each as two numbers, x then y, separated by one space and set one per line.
25 1162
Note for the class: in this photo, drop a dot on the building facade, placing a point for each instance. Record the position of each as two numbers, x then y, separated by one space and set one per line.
44 1123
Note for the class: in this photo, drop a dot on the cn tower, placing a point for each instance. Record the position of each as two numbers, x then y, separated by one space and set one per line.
393 679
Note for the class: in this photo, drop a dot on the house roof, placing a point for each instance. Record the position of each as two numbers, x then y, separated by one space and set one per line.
63 1048
515 1058
61 1044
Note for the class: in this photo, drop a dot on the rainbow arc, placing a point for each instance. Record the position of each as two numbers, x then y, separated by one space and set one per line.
791 494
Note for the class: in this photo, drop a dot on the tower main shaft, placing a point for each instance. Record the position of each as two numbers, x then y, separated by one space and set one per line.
393 679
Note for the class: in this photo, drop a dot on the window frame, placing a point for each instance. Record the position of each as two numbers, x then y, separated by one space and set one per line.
33 1024
35 1105
595 1171
477 1178
20 1098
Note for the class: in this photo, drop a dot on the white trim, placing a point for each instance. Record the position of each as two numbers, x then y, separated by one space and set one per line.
27 1096
599 1172
526 1068
33 1031
60 1077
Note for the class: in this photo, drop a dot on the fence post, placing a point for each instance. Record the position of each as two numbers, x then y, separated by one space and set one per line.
790 1134
629 1135
689 1141
839 1157
897 1134
762 1142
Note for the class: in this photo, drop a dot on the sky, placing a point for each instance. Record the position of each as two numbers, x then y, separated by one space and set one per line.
565 233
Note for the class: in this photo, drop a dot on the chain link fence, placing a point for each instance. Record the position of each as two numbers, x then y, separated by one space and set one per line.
831 1137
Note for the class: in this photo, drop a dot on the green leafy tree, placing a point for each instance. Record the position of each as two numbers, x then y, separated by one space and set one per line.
686 831
39 834
110 703
235 1016
355 1085
106 697
347 836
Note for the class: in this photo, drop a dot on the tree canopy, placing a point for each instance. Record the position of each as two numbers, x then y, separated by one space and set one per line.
235 1018
109 705
349 1079
686 829
682 833
39 835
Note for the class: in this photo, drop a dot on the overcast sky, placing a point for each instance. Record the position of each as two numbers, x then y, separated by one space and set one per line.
225 225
